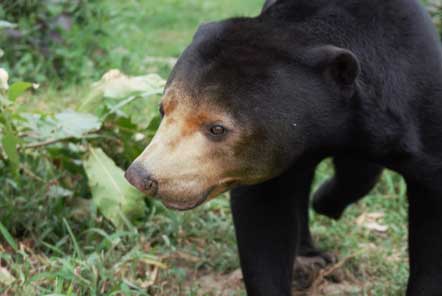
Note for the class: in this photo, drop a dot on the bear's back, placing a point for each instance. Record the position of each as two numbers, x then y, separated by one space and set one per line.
377 21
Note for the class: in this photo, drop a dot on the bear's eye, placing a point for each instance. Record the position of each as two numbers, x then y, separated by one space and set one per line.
217 130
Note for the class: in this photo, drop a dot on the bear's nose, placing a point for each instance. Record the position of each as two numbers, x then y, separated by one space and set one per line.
141 179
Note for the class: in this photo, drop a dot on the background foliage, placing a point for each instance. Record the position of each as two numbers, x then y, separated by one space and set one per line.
64 232
56 40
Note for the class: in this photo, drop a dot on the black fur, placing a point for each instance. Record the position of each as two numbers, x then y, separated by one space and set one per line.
356 80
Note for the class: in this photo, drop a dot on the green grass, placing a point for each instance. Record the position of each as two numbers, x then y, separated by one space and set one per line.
143 29
69 250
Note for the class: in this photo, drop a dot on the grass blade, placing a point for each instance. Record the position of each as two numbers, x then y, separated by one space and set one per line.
74 241
8 237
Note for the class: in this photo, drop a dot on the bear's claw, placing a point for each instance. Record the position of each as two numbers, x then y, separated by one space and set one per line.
307 268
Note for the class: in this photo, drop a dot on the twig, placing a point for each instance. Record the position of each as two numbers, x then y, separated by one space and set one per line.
54 141
328 271
30 174
153 279
45 143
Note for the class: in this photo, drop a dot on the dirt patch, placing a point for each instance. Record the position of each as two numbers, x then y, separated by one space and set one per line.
312 279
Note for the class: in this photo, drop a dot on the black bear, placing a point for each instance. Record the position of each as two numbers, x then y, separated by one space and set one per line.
254 104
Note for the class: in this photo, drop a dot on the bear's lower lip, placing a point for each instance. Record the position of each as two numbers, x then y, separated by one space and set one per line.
185 205
182 206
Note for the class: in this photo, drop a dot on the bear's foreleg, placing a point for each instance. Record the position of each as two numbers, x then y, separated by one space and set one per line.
353 179
267 226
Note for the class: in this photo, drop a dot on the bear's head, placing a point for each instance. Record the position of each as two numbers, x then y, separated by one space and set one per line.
241 105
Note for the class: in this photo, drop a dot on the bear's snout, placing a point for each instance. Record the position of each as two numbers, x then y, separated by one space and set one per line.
139 177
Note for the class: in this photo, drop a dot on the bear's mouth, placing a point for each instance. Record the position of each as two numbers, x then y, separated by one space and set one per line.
189 204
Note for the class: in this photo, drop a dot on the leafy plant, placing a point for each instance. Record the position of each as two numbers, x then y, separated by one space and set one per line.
71 143
10 139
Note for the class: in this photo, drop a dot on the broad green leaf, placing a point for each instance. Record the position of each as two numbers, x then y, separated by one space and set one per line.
111 193
68 124
74 124
17 89
115 85
9 144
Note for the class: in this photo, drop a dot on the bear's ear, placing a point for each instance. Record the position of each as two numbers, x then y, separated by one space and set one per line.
339 65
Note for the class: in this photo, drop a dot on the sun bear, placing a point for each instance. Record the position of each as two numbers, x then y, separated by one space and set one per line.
254 104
